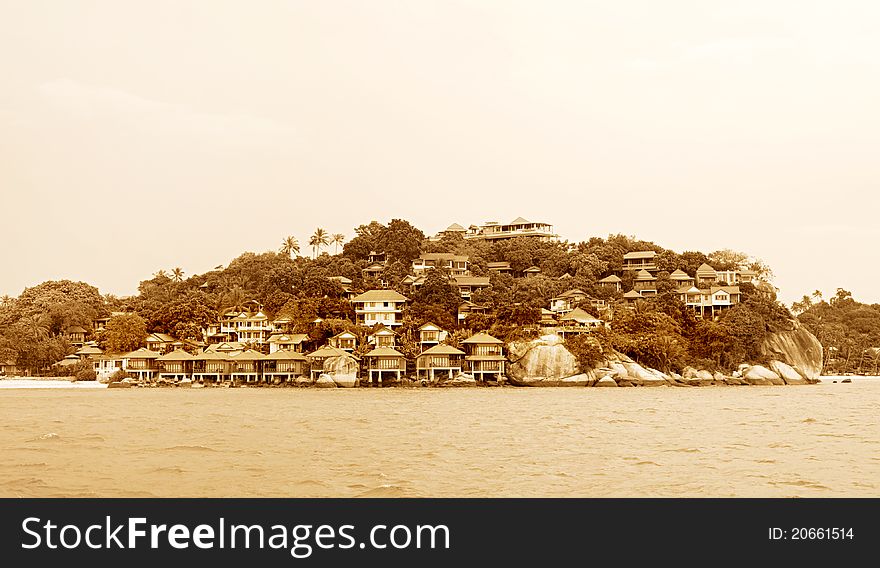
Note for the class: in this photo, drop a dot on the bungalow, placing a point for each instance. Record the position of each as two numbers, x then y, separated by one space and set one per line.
141 364
8 368
494 231
160 343
612 282
456 265
577 322
347 291
467 308
284 365
500 267
286 342
106 365
211 366
451 231
485 357
317 358
632 296
76 336
566 301
681 278
282 325
176 365
247 366
710 300
640 260
531 271
227 348
467 285
645 284
384 362
734 277
437 361
706 276
548 318
345 340
374 271
246 326
383 337
89 352
379 306
430 335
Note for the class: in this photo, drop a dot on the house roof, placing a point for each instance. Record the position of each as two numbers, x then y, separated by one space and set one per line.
430 326
340 279
383 330
520 221
327 351
142 353
374 268
225 346
472 280
455 228
639 254
249 355
482 337
573 293
384 352
442 349
532 269
688 290
706 270
498 265
343 334
210 356
728 289
612 278
76 329
287 339
565 276
380 296
643 275
285 354
89 350
632 294
443 256
160 338
679 274
177 355
579 315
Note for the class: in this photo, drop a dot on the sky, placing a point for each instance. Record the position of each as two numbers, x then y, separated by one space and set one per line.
139 136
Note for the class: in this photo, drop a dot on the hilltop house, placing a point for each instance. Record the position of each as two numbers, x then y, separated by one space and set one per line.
706 276
456 265
681 278
430 335
466 285
467 308
640 260
242 325
709 301
345 340
484 355
438 361
76 336
577 322
566 301
383 337
379 306
531 271
161 343
612 282
347 291
519 227
645 284
500 267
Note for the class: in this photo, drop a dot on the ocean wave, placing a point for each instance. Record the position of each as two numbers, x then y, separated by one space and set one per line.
185 448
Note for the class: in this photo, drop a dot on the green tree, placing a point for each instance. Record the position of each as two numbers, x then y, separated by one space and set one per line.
319 240
338 239
124 333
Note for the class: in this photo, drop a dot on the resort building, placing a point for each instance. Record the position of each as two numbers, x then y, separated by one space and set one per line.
499 267
645 284
456 265
710 301
484 355
548 318
612 282
706 276
450 231
8 368
345 283
632 296
681 278
286 342
567 301
640 260
383 337
577 322
89 351
285 366
467 308
439 361
376 267
430 335
246 366
531 271
346 340
161 343
384 362
141 364
211 366
106 365
243 326
76 336
176 365
379 307
467 285
519 227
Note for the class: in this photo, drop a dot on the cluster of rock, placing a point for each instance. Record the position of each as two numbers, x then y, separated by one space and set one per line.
794 355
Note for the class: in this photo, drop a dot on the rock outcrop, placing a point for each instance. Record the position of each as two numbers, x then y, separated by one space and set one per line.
761 376
541 362
787 373
325 382
342 370
797 348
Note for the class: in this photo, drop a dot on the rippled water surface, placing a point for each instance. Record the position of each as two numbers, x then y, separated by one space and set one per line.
809 441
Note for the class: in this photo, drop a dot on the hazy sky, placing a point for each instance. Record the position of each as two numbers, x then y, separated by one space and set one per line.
136 136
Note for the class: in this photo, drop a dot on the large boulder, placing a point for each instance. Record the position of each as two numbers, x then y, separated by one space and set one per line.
581 380
606 381
796 347
788 373
540 362
758 375
638 375
342 370
459 380
325 382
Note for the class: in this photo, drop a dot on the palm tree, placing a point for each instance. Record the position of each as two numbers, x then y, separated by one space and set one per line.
319 240
337 240
161 275
817 295
289 246
6 301
177 275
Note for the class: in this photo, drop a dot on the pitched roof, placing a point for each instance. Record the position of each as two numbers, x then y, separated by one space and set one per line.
76 329
612 278
643 275
532 269
287 339
728 289
443 256
383 330
679 274
706 270
519 221
327 351
177 355
639 254
442 349
340 279
565 276
572 293
210 356
285 354
380 296
472 280
343 333
249 355
482 337
142 353
579 315
455 228
632 294
501 264
384 352
430 326
89 350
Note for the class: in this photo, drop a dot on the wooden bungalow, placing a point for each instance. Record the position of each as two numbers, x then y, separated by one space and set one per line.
285 365
287 342
176 365
345 340
141 364
384 362
430 334
211 366
247 366
439 360
484 355
383 337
